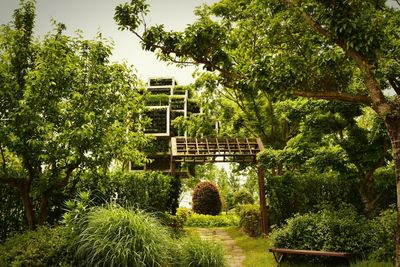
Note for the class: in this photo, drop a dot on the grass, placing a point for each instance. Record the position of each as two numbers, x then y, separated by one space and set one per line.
255 249
114 236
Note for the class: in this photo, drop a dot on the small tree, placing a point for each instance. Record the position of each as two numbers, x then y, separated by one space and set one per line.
63 107
206 199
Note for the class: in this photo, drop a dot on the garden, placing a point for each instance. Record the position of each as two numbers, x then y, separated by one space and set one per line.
317 82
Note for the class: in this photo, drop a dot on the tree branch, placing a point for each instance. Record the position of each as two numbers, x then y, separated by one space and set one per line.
339 96
69 169
13 182
376 96
3 159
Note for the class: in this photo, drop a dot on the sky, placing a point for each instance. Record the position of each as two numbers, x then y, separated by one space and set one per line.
94 16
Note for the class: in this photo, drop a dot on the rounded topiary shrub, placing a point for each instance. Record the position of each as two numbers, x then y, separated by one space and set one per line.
206 199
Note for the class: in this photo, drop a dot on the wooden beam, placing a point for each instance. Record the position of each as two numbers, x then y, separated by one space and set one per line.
263 203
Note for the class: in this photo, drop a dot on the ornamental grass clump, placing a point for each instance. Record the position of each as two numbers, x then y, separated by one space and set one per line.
114 236
206 199
195 252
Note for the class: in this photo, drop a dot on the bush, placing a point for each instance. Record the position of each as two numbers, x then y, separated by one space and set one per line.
292 193
222 220
113 236
200 253
206 199
384 236
250 219
342 230
146 190
242 196
12 216
43 247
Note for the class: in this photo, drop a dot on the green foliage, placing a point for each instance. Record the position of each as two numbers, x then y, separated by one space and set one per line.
42 247
63 107
113 236
242 196
294 193
206 199
178 220
146 190
222 220
201 253
250 219
372 263
77 209
383 228
339 230
11 213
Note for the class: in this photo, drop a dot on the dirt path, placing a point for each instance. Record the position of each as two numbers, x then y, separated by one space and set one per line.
233 252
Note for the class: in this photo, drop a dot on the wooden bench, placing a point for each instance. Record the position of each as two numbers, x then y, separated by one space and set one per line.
280 253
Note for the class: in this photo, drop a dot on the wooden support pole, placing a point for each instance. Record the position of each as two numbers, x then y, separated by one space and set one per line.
263 203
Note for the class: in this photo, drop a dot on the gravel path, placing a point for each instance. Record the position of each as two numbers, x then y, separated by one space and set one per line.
233 252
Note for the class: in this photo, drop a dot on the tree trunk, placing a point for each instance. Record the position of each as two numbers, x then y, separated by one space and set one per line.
393 126
368 195
44 202
28 206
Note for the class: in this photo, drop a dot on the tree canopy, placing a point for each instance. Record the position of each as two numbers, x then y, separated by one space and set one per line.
63 107
345 51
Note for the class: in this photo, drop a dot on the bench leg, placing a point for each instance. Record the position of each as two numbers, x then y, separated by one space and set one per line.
278 257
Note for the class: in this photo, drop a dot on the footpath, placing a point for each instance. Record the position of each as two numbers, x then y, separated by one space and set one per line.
233 252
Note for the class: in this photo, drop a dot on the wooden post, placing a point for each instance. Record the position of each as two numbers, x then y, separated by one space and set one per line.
263 203
172 148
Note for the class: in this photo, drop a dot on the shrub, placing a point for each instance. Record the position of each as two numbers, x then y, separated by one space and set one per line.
114 236
12 216
294 193
383 232
242 196
206 199
342 230
200 253
147 190
43 247
250 219
222 220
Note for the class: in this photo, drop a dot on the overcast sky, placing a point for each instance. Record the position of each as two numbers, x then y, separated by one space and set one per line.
93 16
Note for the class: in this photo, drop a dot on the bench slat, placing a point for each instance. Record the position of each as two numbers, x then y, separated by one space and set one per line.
311 252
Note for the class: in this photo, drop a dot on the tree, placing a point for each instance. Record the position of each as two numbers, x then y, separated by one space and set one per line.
338 138
63 107
335 50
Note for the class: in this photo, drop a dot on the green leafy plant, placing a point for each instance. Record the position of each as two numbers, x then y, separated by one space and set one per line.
222 220
200 253
43 247
146 190
242 196
383 229
250 219
206 199
338 230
